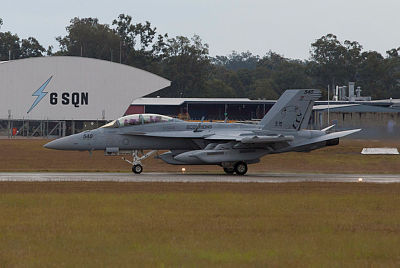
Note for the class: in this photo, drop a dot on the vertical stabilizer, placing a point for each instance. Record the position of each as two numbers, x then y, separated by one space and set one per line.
292 111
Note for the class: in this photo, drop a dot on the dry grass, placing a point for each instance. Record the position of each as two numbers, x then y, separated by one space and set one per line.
92 224
29 155
198 224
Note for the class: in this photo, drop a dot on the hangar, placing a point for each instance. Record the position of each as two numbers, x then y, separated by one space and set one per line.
238 109
378 118
376 121
55 95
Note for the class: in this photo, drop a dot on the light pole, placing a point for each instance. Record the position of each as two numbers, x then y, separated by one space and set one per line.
328 107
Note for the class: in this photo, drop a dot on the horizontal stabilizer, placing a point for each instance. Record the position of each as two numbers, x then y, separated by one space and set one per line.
327 137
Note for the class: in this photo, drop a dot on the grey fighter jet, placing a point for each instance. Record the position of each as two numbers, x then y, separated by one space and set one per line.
230 145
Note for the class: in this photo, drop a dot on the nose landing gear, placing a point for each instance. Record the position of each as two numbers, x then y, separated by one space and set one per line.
136 163
137 169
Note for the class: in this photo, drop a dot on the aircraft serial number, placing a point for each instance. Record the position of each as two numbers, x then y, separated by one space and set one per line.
198 127
87 136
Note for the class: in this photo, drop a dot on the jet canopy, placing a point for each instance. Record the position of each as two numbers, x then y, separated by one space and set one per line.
139 119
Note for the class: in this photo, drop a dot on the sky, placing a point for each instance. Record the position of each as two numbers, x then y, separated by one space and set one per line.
287 27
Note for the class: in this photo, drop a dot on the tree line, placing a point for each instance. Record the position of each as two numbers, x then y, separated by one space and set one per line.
194 73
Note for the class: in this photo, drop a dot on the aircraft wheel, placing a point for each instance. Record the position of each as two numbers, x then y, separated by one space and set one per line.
229 171
241 168
137 169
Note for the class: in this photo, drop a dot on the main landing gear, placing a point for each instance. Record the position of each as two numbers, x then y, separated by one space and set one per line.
229 171
136 163
240 168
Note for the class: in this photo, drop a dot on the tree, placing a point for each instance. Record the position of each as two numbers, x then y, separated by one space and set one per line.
9 46
31 48
273 74
1 22
186 63
127 35
271 61
236 61
291 74
333 62
264 89
371 72
392 74
393 53
143 57
49 51
89 38
135 41
215 88
328 55
352 59
146 34
233 80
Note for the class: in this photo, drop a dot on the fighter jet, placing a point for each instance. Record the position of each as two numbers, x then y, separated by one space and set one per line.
230 145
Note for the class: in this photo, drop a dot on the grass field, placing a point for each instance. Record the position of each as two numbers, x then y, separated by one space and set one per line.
114 224
29 155
196 224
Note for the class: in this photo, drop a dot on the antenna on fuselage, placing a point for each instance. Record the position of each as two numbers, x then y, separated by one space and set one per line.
141 119
199 125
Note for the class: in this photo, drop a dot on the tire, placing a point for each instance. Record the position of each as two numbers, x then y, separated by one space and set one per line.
137 169
241 168
229 171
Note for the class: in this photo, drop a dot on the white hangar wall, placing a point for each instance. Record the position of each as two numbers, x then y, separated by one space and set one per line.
71 88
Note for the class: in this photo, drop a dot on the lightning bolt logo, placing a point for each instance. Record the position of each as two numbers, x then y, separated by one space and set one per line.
40 94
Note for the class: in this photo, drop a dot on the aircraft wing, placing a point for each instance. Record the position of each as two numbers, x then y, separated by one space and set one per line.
189 134
244 137
250 138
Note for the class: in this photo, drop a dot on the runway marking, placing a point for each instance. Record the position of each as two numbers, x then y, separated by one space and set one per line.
193 178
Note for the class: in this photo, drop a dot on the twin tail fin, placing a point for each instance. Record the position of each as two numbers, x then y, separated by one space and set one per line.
292 111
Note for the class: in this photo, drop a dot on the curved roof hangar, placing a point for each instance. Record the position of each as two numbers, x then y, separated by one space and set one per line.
71 88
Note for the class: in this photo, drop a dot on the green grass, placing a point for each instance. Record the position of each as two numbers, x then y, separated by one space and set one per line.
125 224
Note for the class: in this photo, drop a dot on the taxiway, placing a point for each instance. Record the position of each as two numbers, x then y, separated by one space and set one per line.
193 178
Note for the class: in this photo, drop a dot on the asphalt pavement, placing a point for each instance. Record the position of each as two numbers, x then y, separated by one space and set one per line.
193 178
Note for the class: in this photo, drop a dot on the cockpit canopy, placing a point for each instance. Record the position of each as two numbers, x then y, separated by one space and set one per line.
139 119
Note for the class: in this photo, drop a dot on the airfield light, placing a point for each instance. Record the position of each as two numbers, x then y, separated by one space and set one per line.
360 179
183 170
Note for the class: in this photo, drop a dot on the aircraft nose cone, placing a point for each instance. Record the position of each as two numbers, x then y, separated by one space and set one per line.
47 145
58 144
